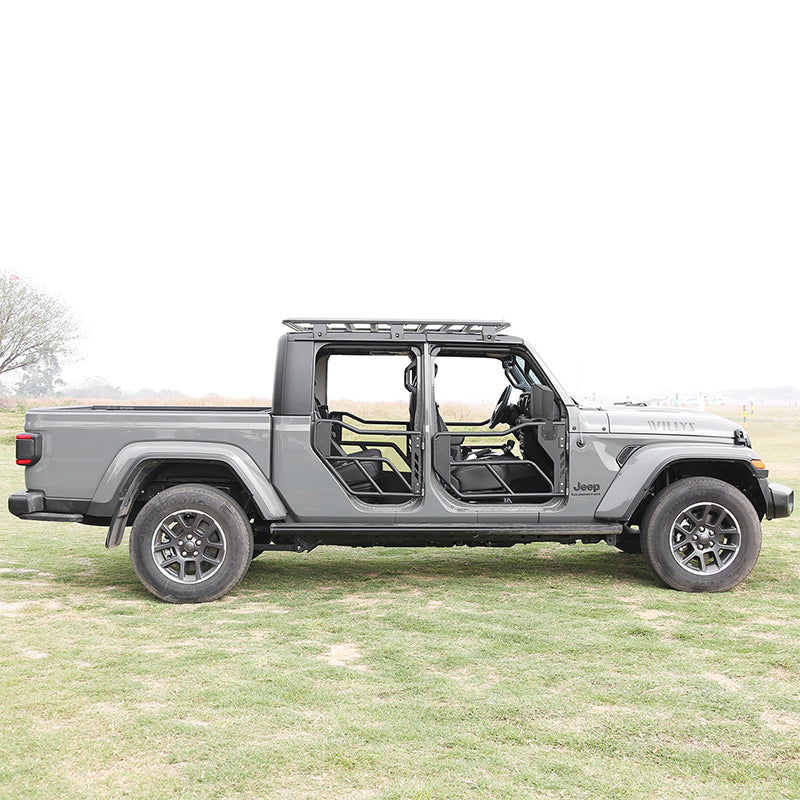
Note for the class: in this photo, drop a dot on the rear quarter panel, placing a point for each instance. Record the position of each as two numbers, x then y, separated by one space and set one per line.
79 444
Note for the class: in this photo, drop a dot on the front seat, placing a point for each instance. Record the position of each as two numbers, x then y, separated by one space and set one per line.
466 476
470 475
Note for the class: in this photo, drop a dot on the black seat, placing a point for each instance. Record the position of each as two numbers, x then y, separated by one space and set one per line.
353 470
352 473
467 475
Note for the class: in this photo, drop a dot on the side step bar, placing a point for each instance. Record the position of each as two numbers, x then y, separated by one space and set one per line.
300 536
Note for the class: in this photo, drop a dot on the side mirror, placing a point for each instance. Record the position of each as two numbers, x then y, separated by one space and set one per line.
543 403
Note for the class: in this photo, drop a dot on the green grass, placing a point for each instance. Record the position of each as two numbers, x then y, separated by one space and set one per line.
536 672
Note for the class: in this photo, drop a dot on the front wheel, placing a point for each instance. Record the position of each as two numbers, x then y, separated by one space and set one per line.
191 544
701 535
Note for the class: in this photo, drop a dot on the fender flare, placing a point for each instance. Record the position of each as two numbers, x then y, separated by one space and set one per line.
123 479
637 474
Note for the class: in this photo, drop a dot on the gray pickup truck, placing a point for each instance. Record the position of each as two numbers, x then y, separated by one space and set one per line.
208 489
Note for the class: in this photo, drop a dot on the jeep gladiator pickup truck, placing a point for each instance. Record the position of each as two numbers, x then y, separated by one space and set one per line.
208 489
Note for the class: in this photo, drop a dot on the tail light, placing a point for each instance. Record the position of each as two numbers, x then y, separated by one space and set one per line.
29 448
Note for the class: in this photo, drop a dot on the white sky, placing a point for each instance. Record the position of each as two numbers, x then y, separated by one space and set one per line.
618 180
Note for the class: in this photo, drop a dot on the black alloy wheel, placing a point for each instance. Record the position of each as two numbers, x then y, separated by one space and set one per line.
191 544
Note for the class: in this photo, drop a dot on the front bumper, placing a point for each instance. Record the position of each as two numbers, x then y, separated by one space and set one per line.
780 500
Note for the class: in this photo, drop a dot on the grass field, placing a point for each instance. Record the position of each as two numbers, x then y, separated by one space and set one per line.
541 671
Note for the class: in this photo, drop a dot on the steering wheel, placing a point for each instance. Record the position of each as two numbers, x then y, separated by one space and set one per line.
500 407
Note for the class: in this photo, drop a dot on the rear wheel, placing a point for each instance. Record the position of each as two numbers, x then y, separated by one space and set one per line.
191 544
701 535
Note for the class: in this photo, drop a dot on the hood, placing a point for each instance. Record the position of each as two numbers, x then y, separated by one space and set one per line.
655 421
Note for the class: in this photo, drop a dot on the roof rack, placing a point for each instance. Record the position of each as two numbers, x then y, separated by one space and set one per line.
396 328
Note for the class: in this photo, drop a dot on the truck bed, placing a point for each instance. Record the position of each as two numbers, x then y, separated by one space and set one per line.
81 444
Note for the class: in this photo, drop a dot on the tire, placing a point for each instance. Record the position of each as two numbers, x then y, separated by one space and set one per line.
701 535
215 533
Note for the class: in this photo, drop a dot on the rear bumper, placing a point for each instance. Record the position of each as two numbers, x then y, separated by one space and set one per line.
22 503
31 505
780 500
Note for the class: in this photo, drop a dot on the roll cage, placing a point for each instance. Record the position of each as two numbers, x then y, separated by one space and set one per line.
380 460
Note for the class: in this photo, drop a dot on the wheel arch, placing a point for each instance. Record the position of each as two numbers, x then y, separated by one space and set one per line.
139 469
651 469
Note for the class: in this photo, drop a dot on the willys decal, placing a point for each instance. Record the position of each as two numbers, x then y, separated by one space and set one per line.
670 426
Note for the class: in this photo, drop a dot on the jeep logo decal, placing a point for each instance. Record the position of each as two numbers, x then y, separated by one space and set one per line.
586 488
670 426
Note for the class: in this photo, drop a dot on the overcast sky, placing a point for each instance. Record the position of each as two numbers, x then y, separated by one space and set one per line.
618 180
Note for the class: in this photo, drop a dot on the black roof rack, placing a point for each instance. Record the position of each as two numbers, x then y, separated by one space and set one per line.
396 328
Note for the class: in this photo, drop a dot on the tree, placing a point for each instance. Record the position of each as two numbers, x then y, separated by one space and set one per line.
95 387
41 380
34 326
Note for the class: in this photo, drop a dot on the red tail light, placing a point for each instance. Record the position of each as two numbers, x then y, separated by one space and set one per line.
29 449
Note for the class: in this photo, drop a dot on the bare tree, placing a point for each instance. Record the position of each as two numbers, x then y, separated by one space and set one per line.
34 325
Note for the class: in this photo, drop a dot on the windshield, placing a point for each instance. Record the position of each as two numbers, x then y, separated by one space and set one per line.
520 373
